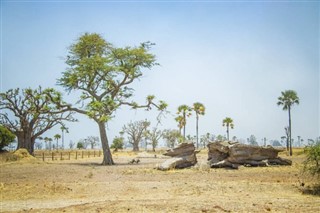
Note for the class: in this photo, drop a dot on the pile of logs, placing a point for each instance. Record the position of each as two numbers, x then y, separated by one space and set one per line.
233 154
183 156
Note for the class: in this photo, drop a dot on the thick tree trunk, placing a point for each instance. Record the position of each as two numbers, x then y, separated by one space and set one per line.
135 146
183 156
25 140
107 156
233 154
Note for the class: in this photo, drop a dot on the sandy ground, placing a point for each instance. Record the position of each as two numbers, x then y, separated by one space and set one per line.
86 186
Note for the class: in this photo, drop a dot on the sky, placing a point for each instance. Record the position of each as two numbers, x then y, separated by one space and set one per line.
235 57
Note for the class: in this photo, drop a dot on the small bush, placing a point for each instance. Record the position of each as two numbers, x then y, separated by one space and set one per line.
311 167
312 163
118 143
6 137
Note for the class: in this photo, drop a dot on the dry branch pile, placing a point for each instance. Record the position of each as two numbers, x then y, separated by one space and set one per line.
233 154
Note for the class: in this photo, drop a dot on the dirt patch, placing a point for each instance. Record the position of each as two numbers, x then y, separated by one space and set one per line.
85 186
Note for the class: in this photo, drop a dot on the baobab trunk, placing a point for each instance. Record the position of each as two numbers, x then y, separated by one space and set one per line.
25 140
136 146
107 156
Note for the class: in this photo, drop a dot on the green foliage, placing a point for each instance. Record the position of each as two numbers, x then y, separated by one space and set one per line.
184 111
6 137
57 136
228 122
28 113
312 163
288 98
80 145
103 74
118 143
199 108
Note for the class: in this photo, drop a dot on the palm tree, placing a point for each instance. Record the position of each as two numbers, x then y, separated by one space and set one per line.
63 128
181 122
57 137
184 111
228 122
199 109
287 99
48 142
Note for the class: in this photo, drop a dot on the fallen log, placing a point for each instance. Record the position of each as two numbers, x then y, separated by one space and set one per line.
231 154
183 156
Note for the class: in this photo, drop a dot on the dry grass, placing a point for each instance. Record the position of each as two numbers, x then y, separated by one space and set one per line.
85 186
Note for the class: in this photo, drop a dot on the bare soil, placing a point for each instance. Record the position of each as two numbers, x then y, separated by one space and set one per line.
86 186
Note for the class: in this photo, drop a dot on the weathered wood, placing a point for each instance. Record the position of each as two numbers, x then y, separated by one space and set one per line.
182 150
183 156
231 154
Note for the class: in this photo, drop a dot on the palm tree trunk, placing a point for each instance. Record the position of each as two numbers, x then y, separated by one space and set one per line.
184 130
228 132
290 137
197 130
107 156
62 138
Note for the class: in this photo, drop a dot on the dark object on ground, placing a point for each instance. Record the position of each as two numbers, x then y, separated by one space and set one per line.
134 161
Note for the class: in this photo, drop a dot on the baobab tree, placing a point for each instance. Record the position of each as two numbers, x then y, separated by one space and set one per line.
28 113
287 99
228 122
199 109
103 74
135 132
184 111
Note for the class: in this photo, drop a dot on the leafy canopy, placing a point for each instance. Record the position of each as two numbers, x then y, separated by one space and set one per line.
103 74
38 110
287 99
228 122
199 108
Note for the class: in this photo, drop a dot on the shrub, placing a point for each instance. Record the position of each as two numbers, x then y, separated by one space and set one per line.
118 143
6 137
312 163
80 145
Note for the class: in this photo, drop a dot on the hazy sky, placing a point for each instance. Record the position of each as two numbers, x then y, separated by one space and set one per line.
234 57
